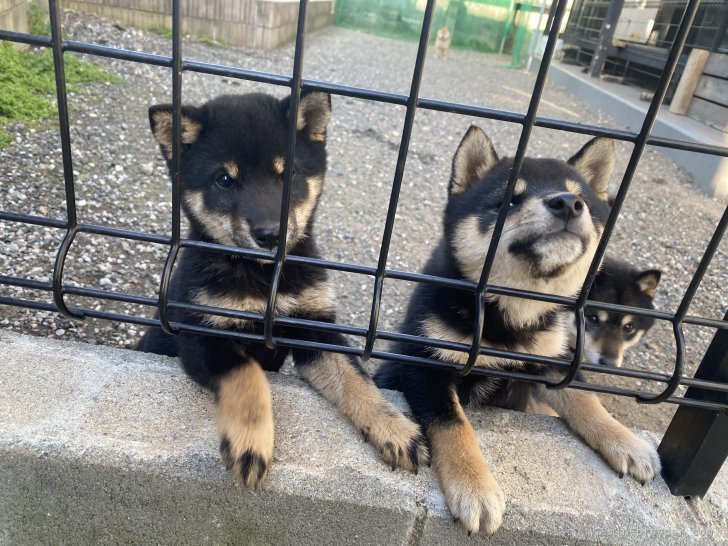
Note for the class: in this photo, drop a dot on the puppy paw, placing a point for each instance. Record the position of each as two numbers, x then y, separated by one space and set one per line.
247 453
398 440
476 501
627 453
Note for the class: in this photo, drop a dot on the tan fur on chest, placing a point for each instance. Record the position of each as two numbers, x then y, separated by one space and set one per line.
315 299
551 343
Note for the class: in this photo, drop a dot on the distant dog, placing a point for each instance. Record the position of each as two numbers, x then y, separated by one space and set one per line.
608 334
232 164
553 224
442 43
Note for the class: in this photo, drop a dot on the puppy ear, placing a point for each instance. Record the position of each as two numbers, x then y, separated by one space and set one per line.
473 159
160 120
595 162
648 280
314 113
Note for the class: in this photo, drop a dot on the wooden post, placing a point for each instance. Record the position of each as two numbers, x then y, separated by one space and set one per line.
689 81
606 35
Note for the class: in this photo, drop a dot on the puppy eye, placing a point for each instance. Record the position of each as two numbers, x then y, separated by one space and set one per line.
629 327
497 206
224 181
593 319
515 201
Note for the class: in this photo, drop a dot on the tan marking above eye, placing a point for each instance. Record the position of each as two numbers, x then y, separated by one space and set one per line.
627 319
573 187
279 164
521 186
231 168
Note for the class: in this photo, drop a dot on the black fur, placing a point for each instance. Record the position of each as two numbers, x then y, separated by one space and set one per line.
621 283
232 165
548 241
427 389
249 130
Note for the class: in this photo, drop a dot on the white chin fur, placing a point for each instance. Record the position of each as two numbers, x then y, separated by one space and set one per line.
557 250
512 271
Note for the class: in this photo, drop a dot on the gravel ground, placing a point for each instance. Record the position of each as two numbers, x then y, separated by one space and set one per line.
121 181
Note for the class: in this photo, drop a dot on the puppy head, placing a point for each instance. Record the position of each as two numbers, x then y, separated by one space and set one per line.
553 223
232 162
609 335
443 34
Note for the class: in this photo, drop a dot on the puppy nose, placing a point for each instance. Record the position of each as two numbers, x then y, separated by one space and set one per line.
266 236
565 205
607 360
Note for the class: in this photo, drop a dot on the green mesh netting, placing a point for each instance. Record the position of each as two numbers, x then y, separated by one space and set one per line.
483 25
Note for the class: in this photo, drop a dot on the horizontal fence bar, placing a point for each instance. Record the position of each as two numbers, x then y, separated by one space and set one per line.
360 93
356 331
381 355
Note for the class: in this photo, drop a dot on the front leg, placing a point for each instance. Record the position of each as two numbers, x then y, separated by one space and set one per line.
243 400
623 450
342 381
471 492
245 423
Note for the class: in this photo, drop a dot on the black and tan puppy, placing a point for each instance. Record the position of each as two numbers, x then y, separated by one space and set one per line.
609 334
232 163
550 235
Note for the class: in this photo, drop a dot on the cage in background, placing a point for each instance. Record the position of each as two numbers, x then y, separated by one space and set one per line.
643 34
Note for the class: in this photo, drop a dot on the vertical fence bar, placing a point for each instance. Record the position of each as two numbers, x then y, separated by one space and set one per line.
515 171
695 445
639 146
176 159
409 119
287 174
54 11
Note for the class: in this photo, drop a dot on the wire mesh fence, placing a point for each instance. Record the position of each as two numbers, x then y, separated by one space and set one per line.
707 393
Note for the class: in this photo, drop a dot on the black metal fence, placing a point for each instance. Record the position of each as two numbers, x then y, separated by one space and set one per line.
697 437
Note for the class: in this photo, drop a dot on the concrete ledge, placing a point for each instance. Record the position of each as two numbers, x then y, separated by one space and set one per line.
101 445
710 173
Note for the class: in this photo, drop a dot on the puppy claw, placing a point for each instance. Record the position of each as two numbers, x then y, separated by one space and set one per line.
405 446
249 468
476 505
630 454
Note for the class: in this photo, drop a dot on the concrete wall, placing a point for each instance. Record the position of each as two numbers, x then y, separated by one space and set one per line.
108 446
14 15
248 23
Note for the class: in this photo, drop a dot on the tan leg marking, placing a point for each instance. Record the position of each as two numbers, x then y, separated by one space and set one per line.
398 440
471 492
540 408
245 422
623 450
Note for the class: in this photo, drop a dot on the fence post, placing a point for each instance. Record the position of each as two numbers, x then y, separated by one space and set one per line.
606 35
695 445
